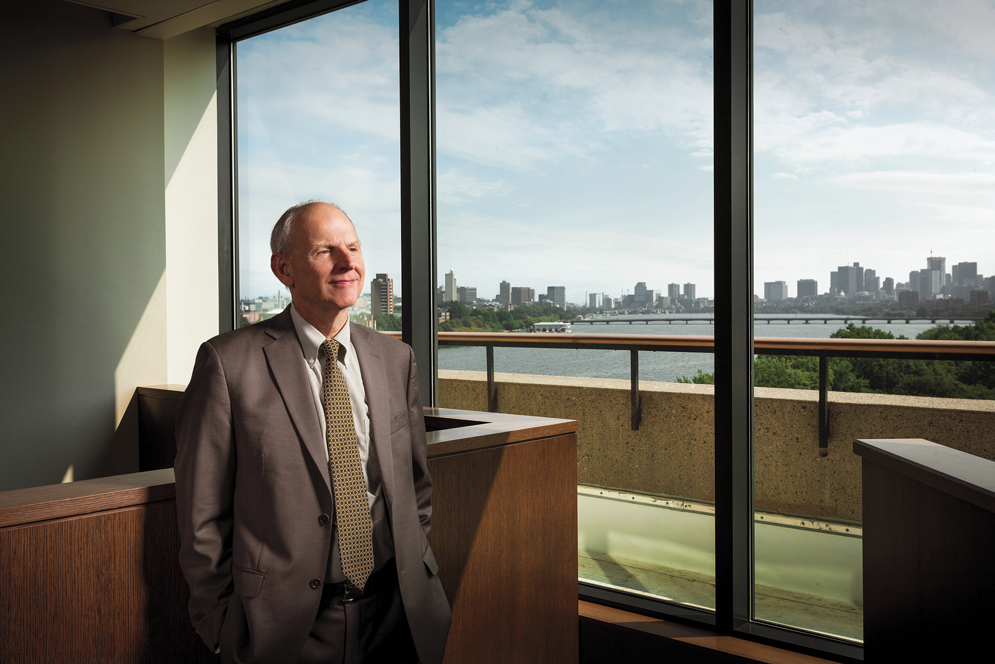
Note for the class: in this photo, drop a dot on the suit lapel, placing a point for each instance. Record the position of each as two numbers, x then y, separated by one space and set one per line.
286 361
375 383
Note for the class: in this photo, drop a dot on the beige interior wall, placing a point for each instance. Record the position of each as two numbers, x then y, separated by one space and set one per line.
107 196
191 147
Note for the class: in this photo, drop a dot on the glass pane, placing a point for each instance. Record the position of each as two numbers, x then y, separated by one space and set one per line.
318 118
874 200
575 185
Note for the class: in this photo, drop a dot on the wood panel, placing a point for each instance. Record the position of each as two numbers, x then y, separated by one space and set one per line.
57 501
98 588
505 536
614 635
89 572
927 571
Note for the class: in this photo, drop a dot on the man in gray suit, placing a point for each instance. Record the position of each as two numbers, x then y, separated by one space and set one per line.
270 578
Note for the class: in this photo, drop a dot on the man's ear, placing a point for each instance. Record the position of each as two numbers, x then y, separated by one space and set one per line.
281 269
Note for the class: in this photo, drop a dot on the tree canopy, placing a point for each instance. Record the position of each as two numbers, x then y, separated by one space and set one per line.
932 378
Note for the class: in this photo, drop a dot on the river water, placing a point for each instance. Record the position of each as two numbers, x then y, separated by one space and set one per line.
653 366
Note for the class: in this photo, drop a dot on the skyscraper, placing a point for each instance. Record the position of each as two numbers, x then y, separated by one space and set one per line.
689 291
595 300
808 288
504 297
965 274
557 295
466 294
640 293
451 290
775 290
674 291
847 279
522 295
936 266
872 284
382 295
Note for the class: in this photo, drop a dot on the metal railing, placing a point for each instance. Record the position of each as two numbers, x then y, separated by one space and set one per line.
824 349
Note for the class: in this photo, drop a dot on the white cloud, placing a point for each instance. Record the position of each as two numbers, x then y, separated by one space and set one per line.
981 216
522 86
954 184
455 186
785 176
854 145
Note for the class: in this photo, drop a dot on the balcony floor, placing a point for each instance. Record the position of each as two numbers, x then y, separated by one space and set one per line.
774 605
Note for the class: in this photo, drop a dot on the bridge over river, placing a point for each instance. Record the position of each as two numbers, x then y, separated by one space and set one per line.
803 320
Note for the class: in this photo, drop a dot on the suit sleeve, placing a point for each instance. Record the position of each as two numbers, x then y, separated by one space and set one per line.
419 448
205 483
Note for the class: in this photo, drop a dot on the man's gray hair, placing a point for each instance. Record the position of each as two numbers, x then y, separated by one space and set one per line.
282 238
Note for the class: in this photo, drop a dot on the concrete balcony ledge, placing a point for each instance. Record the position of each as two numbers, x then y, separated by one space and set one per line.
672 454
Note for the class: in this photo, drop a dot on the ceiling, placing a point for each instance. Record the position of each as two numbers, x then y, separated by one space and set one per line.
162 19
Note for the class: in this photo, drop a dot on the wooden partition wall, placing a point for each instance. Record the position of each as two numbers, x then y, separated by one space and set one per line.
88 570
929 552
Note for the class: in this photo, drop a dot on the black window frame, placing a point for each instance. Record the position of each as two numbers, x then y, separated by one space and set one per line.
733 266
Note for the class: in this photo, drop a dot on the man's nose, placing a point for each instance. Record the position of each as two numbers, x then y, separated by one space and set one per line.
344 259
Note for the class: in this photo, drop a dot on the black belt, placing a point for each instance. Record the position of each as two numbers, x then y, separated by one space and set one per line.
380 579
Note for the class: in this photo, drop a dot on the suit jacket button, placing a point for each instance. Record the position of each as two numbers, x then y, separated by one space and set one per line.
315 583
323 519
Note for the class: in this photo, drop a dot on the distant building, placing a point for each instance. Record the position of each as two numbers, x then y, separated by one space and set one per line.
522 295
382 295
965 274
889 286
979 297
689 291
664 301
640 293
595 300
936 273
848 279
451 291
504 297
466 294
872 284
909 298
775 290
557 295
674 291
808 288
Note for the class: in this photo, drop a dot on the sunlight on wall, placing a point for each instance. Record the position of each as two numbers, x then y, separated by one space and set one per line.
192 249
144 358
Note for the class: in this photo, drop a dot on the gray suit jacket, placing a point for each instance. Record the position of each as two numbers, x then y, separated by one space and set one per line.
253 495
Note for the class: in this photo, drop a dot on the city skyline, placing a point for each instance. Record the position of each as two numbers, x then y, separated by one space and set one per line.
574 140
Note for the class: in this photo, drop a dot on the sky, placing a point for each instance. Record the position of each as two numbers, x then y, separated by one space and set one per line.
574 139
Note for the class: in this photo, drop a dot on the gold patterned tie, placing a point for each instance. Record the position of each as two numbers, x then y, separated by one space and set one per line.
352 509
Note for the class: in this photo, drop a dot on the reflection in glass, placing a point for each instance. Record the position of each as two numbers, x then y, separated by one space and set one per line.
318 118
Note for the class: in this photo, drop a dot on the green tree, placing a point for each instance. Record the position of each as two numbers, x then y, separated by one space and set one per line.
388 322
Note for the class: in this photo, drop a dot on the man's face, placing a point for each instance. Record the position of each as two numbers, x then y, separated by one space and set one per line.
325 269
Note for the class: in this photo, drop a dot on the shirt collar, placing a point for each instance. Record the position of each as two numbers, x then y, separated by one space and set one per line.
311 339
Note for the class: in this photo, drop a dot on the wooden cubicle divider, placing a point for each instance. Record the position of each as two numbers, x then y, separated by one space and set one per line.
929 549
88 570
88 574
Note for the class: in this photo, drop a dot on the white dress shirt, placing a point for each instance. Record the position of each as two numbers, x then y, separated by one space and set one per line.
311 340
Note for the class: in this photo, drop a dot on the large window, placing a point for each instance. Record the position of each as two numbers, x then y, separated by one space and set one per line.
586 157
874 180
574 162
318 116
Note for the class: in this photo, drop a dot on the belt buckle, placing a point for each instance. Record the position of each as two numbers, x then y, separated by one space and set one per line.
351 593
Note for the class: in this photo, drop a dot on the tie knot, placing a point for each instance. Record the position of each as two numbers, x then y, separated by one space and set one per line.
331 348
